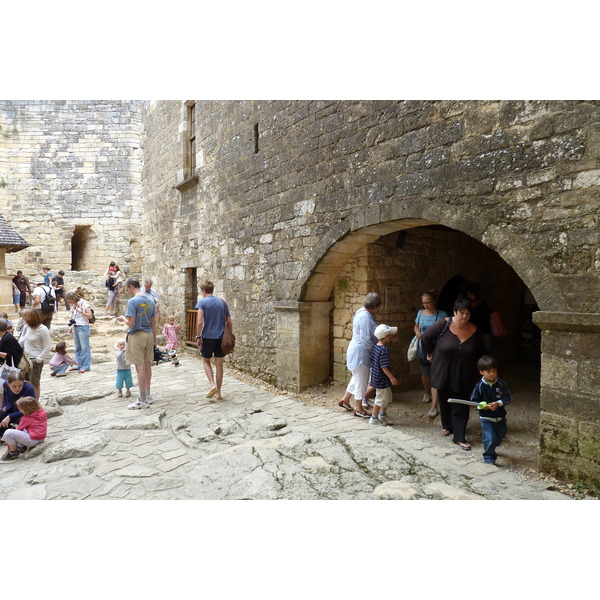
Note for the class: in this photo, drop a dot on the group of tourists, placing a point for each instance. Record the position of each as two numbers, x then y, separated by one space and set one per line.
22 419
451 351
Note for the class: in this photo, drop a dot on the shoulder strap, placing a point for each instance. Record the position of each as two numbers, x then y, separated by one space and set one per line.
445 328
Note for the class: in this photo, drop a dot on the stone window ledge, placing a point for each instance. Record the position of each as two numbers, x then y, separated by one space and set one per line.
187 184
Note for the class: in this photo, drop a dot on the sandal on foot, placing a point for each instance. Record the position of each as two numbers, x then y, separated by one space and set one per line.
464 445
345 405
211 393
363 414
446 432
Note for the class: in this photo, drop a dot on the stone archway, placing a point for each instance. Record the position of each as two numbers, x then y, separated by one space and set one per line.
305 314
570 371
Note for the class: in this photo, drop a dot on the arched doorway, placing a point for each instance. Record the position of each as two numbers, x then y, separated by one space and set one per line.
83 248
400 260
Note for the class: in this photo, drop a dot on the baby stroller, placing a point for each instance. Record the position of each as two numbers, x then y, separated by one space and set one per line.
170 356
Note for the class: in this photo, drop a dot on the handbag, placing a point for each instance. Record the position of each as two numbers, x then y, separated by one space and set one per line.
25 364
497 325
228 340
412 349
7 369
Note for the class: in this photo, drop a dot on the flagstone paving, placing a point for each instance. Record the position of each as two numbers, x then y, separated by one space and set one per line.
254 444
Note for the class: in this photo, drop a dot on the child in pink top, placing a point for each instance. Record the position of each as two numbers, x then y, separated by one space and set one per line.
31 431
60 362
171 332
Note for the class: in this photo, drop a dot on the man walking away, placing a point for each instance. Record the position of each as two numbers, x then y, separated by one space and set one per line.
212 312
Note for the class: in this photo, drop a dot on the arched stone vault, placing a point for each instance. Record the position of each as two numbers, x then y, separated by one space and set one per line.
316 279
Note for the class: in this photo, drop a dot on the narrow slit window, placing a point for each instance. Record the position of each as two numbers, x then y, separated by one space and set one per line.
191 141
255 138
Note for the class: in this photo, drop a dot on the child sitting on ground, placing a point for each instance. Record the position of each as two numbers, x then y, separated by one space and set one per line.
493 417
13 388
171 332
60 362
123 371
382 378
31 430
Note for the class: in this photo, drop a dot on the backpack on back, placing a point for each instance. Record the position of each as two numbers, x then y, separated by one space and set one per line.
48 304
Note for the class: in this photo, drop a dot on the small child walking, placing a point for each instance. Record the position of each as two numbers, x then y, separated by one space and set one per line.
31 430
123 371
171 332
493 417
60 362
382 378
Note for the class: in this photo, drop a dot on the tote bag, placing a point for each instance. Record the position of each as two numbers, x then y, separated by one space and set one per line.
228 340
7 369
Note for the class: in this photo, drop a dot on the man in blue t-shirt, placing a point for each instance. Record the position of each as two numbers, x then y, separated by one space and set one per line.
140 316
213 313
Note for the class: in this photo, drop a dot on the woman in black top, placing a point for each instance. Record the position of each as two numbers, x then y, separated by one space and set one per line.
454 373
9 347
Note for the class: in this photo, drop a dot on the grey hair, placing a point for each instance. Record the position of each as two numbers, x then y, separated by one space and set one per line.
372 300
133 282
148 280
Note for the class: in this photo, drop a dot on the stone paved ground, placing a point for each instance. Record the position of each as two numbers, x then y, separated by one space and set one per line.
253 445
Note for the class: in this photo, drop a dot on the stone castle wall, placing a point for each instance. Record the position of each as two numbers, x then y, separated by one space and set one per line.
70 177
277 219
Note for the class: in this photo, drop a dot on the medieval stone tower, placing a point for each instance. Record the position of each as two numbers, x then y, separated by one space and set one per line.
70 183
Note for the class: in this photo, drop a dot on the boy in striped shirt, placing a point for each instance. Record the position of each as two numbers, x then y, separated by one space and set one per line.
382 378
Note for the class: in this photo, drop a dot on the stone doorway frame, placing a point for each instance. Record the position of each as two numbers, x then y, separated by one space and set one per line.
570 361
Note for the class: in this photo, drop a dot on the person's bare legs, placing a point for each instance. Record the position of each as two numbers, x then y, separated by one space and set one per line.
209 372
144 377
434 399
219 370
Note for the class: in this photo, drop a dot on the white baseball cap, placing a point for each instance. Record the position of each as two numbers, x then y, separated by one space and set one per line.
382 331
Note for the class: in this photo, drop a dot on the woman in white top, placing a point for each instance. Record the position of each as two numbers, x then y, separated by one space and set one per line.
358 357
35 340
81 313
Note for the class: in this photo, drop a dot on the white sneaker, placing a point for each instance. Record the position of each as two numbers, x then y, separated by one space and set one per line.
139 403
149 399
433 412
384 419
375 421
426 398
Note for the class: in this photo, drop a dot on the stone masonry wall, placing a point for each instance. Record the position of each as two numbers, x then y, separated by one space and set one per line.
67 164
269 218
